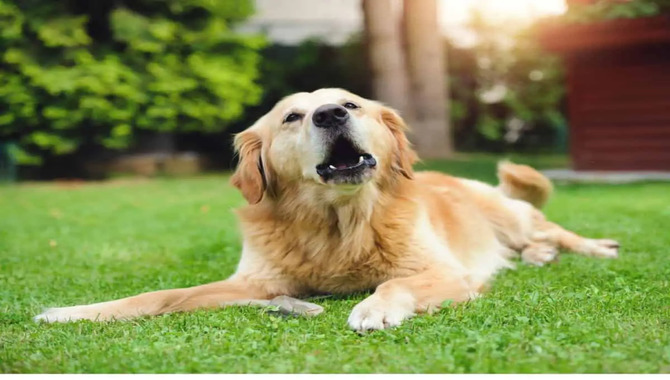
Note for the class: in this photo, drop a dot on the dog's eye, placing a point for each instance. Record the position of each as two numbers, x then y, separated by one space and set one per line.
292 117
350 105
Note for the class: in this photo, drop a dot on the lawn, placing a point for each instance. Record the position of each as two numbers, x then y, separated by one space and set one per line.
64 244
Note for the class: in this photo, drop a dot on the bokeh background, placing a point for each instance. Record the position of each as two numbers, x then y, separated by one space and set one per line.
96 89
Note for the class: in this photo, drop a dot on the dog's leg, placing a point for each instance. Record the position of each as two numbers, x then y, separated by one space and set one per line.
400 298
552 233
217 294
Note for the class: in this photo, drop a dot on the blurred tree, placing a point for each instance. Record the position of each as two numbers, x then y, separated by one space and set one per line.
96 72
385 54
428 78
410 76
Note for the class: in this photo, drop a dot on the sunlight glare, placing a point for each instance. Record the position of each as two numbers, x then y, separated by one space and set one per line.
455 14
458 11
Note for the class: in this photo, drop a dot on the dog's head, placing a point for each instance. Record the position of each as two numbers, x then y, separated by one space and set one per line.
330 138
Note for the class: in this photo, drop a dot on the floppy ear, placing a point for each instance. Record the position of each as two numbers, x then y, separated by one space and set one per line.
249 176
403 156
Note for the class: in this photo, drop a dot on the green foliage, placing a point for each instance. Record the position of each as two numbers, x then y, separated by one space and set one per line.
506 92
172 65
313 65
610 9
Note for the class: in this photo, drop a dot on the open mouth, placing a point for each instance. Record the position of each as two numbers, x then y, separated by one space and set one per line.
346 163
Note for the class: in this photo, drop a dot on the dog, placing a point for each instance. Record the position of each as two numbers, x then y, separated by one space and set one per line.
335 207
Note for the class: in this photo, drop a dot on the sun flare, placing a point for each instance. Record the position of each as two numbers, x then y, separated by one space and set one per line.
454 11
455 14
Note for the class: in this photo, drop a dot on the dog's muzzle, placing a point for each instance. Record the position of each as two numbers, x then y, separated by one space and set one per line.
346 162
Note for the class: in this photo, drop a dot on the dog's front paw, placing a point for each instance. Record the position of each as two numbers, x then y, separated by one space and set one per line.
375 313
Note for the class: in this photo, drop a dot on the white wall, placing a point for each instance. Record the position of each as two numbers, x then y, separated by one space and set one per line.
292 21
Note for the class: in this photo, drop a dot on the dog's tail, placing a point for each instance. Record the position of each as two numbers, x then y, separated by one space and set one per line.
525 183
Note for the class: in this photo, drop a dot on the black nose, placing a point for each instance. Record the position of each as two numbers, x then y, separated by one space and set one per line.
330 115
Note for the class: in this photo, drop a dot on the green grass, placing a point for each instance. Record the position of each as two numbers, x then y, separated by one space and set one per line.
62 246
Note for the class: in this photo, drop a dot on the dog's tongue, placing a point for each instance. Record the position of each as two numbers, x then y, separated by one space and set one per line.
341 166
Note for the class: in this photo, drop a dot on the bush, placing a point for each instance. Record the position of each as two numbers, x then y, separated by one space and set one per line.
506 93
78 72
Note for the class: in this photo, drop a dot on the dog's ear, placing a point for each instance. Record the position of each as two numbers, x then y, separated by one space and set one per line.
249 175
404 156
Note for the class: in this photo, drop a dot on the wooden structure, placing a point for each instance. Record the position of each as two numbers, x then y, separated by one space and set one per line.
618 75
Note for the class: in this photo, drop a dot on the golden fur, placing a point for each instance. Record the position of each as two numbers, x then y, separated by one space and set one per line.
416 239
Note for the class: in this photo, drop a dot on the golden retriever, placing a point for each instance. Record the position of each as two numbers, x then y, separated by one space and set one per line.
335 207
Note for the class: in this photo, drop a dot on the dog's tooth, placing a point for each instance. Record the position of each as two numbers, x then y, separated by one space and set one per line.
360 159
332 167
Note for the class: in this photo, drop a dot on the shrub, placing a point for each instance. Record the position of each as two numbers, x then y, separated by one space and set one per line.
79 72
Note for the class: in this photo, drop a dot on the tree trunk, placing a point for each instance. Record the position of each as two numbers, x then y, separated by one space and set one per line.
383 35
428 79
